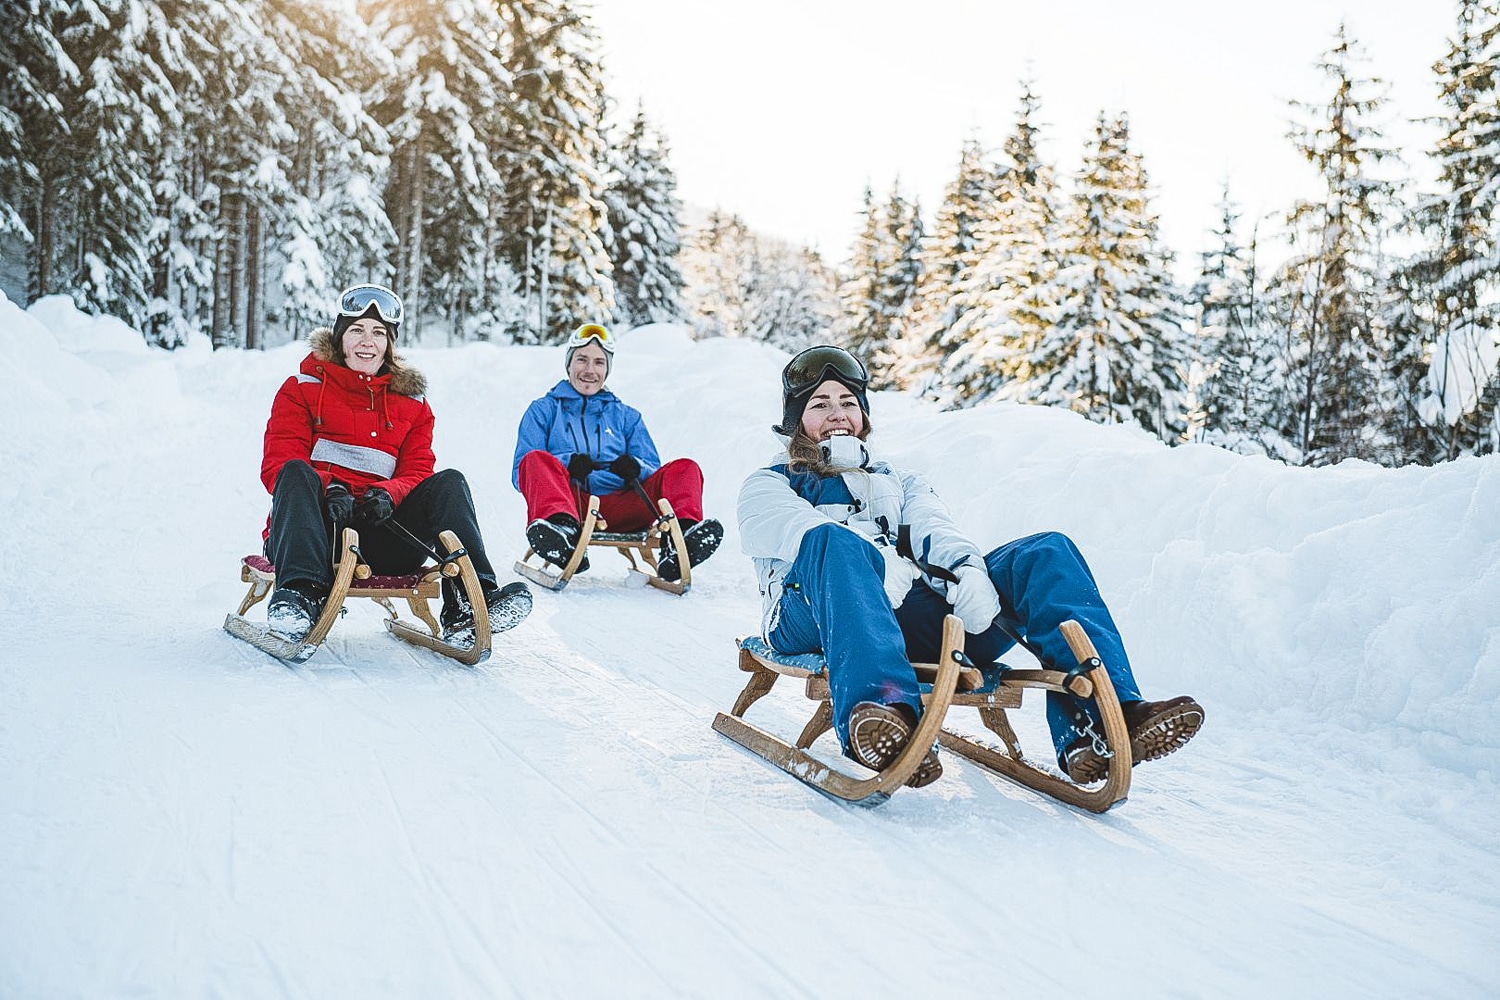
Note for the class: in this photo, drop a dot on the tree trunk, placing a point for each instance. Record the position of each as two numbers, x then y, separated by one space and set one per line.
254 304
412 278
46 238
546 265
529 262
223 333
235 245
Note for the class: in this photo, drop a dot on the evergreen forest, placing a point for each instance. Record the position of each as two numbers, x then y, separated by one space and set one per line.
225 168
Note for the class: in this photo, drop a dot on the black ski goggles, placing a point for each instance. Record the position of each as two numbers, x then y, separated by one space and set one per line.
356 301
817 365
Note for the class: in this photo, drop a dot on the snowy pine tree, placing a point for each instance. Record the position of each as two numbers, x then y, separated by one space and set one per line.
644 231
1237 369
1452 305
1005 303
552 216
860 281
1117 351
1327 291
879 281
329 229
743 285
79 135
950 252
37 78
905 238
441 108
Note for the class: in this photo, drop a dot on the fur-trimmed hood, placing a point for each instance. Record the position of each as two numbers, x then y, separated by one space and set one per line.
405 380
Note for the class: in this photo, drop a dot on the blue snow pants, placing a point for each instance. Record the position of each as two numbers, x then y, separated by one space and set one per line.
833 601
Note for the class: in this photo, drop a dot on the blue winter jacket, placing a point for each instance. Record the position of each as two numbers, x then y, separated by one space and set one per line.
566 423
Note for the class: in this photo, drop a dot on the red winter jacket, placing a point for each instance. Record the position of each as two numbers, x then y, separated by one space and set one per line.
362 430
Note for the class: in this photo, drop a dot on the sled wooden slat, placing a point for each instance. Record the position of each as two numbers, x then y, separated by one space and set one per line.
990 694
808 769
471 655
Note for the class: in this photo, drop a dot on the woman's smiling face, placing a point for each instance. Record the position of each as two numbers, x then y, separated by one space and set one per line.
366 344
832 409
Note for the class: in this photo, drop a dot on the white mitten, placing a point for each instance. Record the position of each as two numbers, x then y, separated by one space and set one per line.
845 451
900 574
974 599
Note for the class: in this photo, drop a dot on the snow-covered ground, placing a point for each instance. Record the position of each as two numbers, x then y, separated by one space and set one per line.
182 816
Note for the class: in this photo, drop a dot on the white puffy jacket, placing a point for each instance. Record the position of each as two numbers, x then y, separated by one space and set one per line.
777 506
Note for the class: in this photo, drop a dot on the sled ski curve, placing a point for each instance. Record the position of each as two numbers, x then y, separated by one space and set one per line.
802 765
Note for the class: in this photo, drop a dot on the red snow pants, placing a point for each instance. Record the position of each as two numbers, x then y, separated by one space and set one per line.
545 485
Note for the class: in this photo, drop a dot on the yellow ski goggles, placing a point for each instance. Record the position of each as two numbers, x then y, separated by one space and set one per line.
593 331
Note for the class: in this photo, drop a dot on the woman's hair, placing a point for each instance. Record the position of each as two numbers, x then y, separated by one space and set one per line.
807 455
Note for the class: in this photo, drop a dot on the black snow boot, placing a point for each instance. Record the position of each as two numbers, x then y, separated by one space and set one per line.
702 539
294 609
877 735
508 607
555 538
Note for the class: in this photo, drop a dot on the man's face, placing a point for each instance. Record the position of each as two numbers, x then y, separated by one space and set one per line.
588 369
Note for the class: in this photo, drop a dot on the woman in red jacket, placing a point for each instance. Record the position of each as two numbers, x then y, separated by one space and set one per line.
349 442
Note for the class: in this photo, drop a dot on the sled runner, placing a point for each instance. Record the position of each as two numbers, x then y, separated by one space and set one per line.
630 544
765 665
990 689
352 578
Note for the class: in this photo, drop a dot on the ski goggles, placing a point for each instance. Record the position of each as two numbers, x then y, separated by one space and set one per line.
593 331
356 301
817 365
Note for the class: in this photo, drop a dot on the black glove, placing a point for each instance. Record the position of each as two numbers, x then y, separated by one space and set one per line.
374 508
579 467
626 468
338 504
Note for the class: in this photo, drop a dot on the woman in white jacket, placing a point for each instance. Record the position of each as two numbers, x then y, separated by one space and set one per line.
861 561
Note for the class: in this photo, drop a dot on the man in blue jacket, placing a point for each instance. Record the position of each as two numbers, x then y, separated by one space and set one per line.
580 439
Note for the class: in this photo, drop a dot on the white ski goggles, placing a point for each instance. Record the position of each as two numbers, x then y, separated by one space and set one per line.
356 301
593 331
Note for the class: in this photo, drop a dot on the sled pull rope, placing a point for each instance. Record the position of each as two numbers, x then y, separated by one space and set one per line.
361 567
1082 721
904 550
640 491
448 563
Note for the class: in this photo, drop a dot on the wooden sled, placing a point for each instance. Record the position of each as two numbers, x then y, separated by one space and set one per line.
630 544
352 578
990 689
794 758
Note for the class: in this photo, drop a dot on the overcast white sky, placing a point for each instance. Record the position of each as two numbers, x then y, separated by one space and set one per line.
782 110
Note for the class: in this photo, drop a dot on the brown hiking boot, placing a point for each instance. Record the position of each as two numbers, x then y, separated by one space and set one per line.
877 735
1081 762
1156 729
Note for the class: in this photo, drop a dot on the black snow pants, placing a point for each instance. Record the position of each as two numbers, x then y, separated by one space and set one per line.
301 538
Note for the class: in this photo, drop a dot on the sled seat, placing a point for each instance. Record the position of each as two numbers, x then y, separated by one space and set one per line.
428 585
630 544
990 689
813 667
